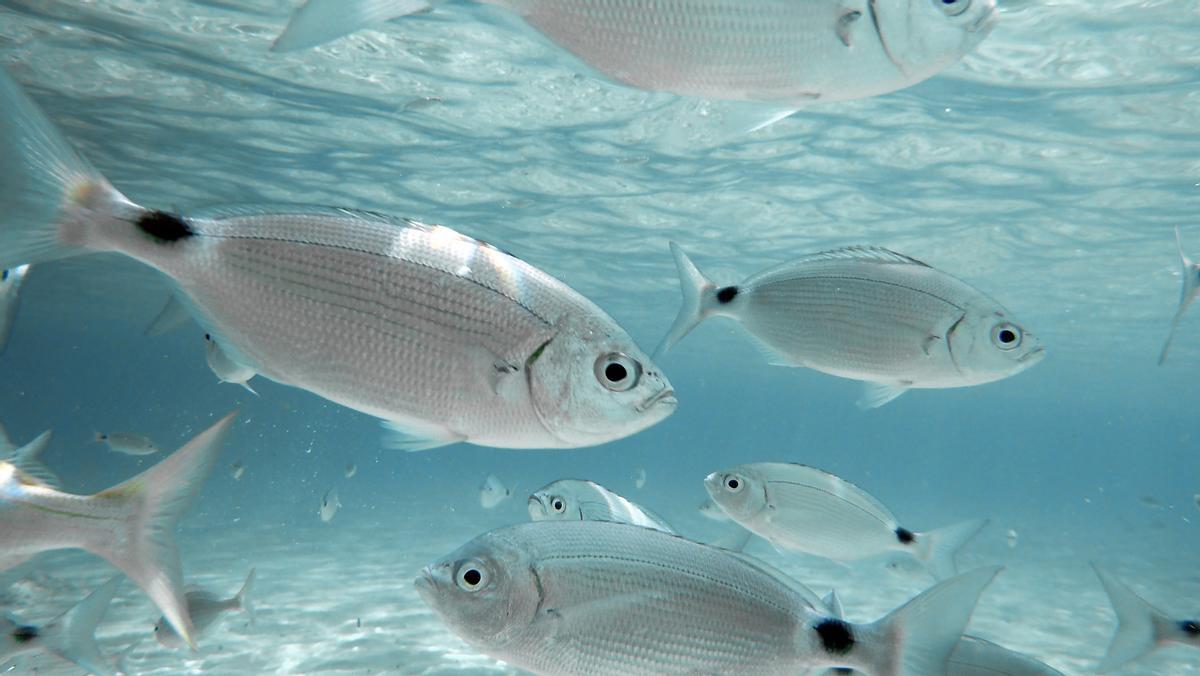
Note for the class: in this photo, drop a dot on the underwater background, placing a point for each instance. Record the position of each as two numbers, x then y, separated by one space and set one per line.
1048 169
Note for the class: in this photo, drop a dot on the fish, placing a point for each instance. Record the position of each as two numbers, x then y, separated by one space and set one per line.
351 470
173 315
329 505
639 480
11 280
492 492
1190 274
28 458
204 609
1196 499
71 635
864 313
1141 628
1011 538
804 509
443 337
789 53
237 469
599 597
225 368
711 510
129 524
127 443
580 500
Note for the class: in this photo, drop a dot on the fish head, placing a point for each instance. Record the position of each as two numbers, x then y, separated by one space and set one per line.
990 345
549 504
11 278
924 37
166 636
591 384
739 492
483 591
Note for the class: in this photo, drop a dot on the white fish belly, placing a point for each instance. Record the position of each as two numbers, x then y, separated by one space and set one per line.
399 338
856 326
619 602
777 50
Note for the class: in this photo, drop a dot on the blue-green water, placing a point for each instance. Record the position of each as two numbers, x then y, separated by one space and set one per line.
1048 169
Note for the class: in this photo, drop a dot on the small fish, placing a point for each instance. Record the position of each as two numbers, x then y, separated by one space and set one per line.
1141 628
225 368
1196 500
1011 538
639 601
579 500
640 479
173 315
1151 502
329 505
127 443
444 337
130 524
351 470
71 636
787 52
492 492
11 280
804 509
1187 295
28 458
868 314
237 469
204 609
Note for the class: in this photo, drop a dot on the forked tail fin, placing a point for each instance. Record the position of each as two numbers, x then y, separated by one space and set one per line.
1137 623
72 635
28 459
1187 294
319 21
160 497
243 600
698 300
936 548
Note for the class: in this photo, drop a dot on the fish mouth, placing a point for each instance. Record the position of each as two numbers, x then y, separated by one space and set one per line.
536 508
665 396
426 586
1033 356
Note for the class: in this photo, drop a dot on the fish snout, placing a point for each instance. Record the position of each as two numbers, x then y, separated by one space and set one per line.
712 484
426 585
664 397
536 508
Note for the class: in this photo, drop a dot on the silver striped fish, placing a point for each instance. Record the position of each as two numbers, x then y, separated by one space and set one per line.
789 51
444 337
581 500
598 597
867 314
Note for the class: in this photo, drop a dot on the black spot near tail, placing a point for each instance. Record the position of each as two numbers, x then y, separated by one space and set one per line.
25 633
727 294
1190 627
164 227
835 636
905 536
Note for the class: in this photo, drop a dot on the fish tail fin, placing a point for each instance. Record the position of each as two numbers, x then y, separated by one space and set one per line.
160 496
28 459
698 300
173 315
834 603
1137 620
72 635
242 599
1191 288
319 21
54 201
917 638
937 548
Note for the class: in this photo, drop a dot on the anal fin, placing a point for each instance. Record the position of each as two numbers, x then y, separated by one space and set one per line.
877 394
403 437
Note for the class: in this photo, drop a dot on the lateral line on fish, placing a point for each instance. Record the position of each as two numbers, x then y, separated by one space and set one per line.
867 280
822 490
255 266
339 247
63 512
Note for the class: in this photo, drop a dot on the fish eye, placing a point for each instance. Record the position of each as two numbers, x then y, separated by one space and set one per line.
1006 336
471 576
618 372
733 484
952 7
558 505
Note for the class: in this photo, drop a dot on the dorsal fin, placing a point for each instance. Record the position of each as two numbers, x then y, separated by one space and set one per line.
870 254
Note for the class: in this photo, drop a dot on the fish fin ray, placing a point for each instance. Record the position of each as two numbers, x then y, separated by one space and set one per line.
172 316
875 395
1187 294
243 598
27 460
936 548
1135 635
698 301
319 21
72 635
402 436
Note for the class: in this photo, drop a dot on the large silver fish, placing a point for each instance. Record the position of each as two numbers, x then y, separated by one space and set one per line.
580 500
11 280
868 314
804 509
1141 628
792 52
129 524
598 597
1190 274
204 609
445 337
71 636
